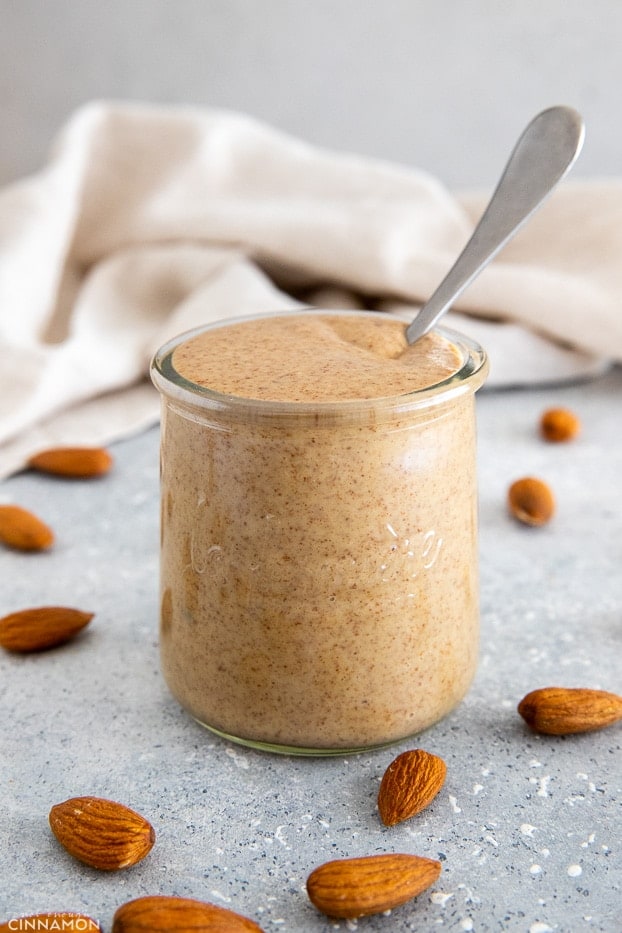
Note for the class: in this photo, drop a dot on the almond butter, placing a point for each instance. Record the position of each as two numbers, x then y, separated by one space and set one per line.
22 530
41 628
566 710
559 425
52 921
409 784
161 914
101 833
357 887
72 462
531 501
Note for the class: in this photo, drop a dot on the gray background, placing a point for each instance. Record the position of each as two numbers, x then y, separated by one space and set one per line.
440 84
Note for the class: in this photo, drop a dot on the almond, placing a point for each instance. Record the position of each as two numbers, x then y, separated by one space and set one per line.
356 887
531 501
101 833
161 914
22 530
44 923
559 425
409 784
75 462
566 710
41 628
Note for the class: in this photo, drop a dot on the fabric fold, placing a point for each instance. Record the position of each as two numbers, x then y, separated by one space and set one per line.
149 221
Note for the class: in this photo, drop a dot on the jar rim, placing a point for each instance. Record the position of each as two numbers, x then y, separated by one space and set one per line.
169 382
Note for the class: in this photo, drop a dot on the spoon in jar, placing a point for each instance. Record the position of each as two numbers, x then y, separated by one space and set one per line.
544 153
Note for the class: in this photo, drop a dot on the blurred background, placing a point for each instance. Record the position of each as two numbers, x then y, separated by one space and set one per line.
443 85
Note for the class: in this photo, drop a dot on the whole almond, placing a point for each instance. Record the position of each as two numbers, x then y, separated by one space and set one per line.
531 501
41 628
22 530
161 914
409 784
566 710
52 921
357 887
101 833
559 425
74 462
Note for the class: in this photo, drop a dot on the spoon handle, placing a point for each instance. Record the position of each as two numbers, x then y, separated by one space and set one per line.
542 156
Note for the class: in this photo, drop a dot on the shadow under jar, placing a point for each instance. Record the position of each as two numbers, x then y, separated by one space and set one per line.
319 585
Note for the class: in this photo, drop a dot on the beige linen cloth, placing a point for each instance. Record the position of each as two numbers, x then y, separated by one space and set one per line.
149 221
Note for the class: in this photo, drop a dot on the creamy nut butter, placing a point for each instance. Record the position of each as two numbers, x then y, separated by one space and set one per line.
319 550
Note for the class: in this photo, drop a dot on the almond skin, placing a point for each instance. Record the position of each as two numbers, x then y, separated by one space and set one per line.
22 530
357 887
101 833
567 710
409 784
161 914
41 628
52 921
73 462
531 501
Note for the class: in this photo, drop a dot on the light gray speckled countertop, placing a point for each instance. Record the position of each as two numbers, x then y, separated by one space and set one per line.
528 828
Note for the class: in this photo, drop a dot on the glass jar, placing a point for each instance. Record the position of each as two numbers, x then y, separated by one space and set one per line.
319 582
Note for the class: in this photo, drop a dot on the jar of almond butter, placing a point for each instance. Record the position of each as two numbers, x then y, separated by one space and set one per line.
319 580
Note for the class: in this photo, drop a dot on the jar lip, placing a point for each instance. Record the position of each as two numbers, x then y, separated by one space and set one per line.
469 377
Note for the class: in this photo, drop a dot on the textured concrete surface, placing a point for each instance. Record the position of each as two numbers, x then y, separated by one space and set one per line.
528 828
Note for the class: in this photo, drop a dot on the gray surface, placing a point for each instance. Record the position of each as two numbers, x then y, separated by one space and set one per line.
439 84
529 828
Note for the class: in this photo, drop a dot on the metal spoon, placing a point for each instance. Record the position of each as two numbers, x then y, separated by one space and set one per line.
542 156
